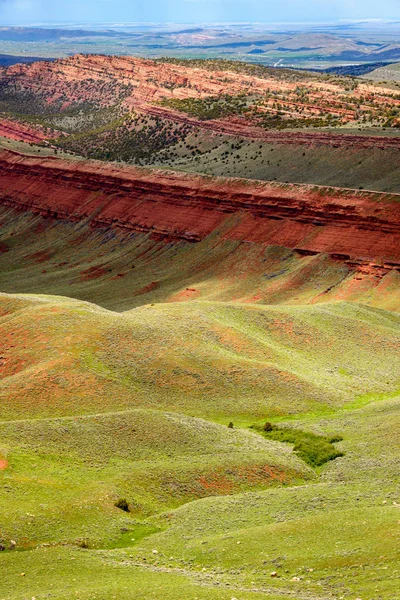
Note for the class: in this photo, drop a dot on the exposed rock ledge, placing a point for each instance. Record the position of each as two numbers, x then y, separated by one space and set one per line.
356 227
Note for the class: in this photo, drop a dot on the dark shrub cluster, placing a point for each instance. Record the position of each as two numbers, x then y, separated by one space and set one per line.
315 450
213 107
122 504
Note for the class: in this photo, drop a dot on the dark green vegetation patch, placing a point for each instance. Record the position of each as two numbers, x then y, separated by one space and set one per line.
315 450
213 107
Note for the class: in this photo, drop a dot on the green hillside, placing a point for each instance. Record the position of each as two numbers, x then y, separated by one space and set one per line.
99 406
370 168
204 359
387 73
140 381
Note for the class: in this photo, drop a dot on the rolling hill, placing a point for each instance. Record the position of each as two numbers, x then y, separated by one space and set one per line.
199 375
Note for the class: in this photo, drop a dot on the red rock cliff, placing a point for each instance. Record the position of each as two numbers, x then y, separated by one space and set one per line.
352 226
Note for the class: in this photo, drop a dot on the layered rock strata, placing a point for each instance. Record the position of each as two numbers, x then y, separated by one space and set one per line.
357 227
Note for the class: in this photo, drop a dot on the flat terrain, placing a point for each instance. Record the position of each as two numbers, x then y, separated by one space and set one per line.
319 46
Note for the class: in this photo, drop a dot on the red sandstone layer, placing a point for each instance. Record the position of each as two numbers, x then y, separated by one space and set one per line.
354 226
239 126
140 85
20 132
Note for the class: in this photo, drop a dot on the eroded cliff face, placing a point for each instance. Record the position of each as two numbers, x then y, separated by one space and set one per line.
14 130
359 228
243 127
152 80
139 85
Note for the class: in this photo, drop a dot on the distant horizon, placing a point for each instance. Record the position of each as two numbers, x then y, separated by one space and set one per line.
262 12
206 24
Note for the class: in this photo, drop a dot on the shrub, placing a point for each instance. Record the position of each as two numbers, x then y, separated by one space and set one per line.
122 504
230 425
335 438
267 426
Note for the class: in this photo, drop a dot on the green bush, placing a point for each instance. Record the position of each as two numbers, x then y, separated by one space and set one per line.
315 450
267 426
122 504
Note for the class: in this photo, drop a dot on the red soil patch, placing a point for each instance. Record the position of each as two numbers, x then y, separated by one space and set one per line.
187 294
93 273
40 256
223 483
3 464
216 484
148 288
41 227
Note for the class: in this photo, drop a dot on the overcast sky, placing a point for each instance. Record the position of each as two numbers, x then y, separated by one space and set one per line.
188 11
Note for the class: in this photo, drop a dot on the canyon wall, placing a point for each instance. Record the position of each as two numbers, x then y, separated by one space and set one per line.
139 86
359 228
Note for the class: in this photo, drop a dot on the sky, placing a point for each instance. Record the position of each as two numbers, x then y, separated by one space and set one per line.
195 11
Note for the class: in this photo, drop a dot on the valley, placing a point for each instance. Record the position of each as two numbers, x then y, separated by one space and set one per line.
199 344
296 45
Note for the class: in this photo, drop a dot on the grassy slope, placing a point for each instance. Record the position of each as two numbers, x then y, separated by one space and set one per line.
388 73
251 361
97 405
80 467
120 272
338 538
375 169
340 535
212 360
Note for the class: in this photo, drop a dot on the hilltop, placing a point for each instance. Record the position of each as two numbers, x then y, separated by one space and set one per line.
219 117
385 73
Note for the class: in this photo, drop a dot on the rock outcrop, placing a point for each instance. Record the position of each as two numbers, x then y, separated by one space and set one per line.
360 228
139 85
14 130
